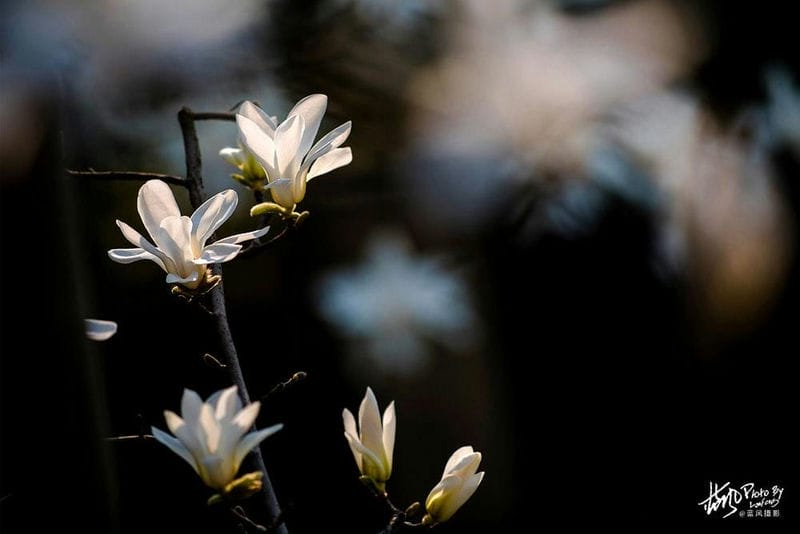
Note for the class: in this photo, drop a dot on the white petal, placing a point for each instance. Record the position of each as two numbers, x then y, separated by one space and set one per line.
218 253
330 140
216 471
174 445
182 431
190 407
241 238
226 403
466 466
258 143
209 430
350 429
155 203
338 157
257 115
174 239
312 109
247 416
287 140
130 255
366 455
459 497
99 330
234 156
369 424
173 278
250 441
282 192
389 428
455 458
211 214
137 239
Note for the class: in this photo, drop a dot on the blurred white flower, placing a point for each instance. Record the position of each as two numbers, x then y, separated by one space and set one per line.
783 109
372 443
459 482
724 220
99 330
211 435
394 303
285 150
180 242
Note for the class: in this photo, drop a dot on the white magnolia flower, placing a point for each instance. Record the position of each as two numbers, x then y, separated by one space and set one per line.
211 435
373 443
180 242
285 150
394 304
459 482
99 330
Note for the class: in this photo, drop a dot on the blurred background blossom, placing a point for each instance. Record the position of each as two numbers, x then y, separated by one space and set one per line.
394 304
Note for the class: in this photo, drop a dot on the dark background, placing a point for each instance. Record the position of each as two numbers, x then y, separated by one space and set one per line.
598 396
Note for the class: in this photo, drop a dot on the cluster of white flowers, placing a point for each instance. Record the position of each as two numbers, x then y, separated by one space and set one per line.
372 444
214 436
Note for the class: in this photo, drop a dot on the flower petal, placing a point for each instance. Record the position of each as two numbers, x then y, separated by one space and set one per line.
137 239
130 255
247 416
182 431
209 430
456 457
99 330
329 141
260 145
389 428
282 192
175 446
211 214
174 239
338 157
311 109
234 156
173 278
190 407
218 253
438 502
457 499
466 466
350 429
250 441
226 403
366 455
287 140
241 238
155 202
369 424
257 115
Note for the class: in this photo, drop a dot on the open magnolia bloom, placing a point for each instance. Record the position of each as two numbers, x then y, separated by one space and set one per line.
285 150
180 242
211 435
100 330
459 482
373 446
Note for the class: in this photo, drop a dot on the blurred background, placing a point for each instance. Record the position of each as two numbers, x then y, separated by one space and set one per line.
567 238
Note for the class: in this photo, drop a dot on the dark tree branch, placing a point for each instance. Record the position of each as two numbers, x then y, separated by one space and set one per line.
132 176
213 116
230 358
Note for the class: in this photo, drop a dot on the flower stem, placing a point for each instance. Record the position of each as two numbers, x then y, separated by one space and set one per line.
197 196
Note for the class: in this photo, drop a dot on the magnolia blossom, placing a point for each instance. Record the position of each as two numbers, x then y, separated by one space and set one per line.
211 435
373 445
459 482
285 150
99 330
395 305
180 242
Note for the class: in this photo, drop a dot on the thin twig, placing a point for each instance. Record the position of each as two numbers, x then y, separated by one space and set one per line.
213 116
238 511
132 176
197 196
131 438
296 378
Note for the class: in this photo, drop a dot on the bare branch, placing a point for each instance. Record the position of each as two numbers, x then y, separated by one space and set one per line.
131 176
